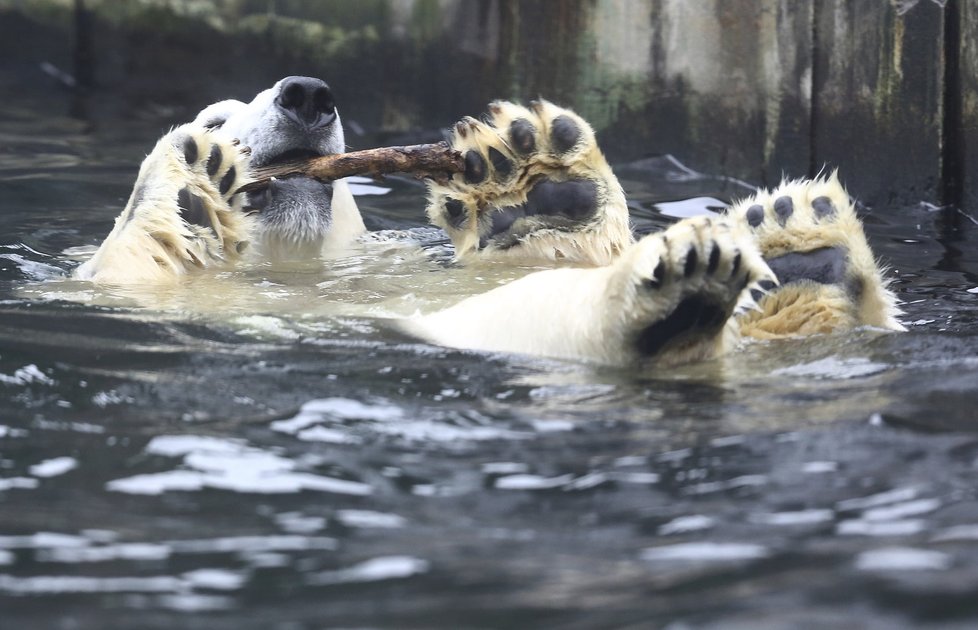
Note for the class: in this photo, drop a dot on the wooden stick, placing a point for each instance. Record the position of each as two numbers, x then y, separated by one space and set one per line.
436 161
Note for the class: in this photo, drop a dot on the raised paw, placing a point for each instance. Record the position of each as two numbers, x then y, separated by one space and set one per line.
684 285
183 213
535 187
811 238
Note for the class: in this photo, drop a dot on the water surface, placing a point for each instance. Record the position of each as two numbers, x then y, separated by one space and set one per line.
263 458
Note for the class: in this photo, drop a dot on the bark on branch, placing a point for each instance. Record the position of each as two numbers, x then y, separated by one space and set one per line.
436 161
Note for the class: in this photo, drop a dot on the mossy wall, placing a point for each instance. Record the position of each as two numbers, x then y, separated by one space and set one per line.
753 89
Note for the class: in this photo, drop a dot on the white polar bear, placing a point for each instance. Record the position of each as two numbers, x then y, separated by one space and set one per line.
536 189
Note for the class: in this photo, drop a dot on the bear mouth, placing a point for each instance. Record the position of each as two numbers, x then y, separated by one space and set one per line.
288 157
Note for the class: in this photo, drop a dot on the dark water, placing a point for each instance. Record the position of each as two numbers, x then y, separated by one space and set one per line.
163 470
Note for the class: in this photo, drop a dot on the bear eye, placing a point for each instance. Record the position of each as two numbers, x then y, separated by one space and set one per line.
215 122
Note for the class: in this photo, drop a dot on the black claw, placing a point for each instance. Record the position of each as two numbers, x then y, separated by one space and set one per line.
190 153
657 275
227 181
475 168
784 207
501 163
522 135
755 215
691 259
564 134
735 266
714 261
767 285
214 161
823 207
757 295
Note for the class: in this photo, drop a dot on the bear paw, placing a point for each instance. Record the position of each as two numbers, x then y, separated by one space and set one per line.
535 187
183 212
811 238
684 285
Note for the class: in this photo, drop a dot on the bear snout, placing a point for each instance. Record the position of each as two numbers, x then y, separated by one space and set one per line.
306 101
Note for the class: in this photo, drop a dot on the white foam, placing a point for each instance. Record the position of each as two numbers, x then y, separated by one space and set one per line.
374 570
857 527
705 552
23 483
6 557
504 468
176 445
532 482
57 584
330 436
901 510
299 523
902 559
42 540
801 517
813 468
214 579
107 553
683 524
53 467
229 465
890 496
6 431
27 375
958 532
369 518
834 367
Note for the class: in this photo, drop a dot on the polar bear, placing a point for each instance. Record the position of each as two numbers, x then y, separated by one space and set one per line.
536 190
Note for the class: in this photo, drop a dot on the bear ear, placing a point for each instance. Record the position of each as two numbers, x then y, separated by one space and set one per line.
213 116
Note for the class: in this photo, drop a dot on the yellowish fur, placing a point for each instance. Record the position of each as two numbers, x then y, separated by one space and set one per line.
150 242
598 242
808 307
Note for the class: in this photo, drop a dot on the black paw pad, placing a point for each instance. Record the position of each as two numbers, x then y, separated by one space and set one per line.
755 215
823 207
692 258
714 260
657 275
475 168
564 134
456 212
502 164
693 313
192 209
227 181
522 135
214 161
575 199
190 151
784 207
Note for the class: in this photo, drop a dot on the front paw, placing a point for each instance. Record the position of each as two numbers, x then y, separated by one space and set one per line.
686 284
535 187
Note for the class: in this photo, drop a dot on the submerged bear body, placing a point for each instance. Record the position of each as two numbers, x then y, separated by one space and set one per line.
536 192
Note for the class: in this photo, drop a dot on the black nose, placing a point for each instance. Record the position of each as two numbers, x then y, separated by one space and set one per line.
307 101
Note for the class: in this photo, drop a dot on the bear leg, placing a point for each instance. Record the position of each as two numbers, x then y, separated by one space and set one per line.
667 299
183 213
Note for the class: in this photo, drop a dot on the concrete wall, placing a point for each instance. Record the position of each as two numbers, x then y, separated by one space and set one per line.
755 89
